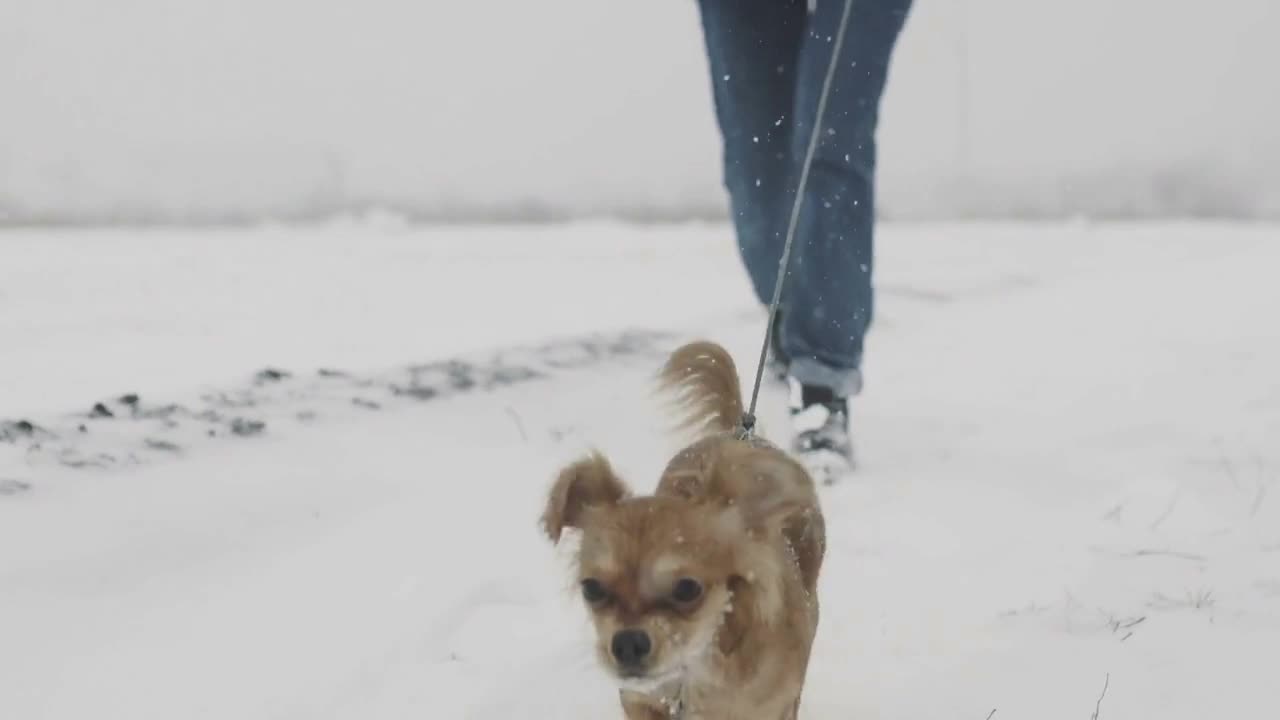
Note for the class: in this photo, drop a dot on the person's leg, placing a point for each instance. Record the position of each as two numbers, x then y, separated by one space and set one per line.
829 296
752 50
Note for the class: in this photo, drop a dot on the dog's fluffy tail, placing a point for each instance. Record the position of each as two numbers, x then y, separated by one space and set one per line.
704 382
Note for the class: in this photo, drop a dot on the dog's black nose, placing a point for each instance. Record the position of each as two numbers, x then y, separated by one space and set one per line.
631 647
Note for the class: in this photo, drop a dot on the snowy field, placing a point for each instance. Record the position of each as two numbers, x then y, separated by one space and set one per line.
310 484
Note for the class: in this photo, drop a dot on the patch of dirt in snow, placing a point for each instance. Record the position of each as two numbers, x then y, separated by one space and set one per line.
130 430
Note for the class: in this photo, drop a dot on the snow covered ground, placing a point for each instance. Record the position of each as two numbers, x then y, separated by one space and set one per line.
1070 444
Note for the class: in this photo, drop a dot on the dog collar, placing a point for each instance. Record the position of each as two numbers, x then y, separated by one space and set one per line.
676 704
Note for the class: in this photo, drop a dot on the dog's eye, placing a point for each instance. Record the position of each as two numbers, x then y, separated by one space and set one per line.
593 591
686 590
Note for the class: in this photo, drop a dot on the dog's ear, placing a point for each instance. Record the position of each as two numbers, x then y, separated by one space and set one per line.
589 482
762 488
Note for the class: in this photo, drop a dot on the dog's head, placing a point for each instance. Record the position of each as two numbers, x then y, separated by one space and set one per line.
660 574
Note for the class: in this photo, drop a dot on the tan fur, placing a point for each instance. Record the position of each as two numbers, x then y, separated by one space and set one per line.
738 516
704 381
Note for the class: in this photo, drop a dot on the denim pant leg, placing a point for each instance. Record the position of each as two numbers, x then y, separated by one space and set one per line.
829 296
752 49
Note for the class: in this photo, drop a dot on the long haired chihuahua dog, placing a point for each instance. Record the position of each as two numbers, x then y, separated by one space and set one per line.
703 595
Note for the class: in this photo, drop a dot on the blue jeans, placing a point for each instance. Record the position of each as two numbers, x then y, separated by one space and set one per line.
768 60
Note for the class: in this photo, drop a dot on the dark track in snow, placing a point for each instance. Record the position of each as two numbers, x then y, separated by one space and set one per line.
131 430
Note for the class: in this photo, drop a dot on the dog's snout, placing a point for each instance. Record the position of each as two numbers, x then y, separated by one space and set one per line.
631 647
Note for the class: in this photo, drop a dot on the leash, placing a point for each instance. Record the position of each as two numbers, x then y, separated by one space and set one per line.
748 422
677 706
